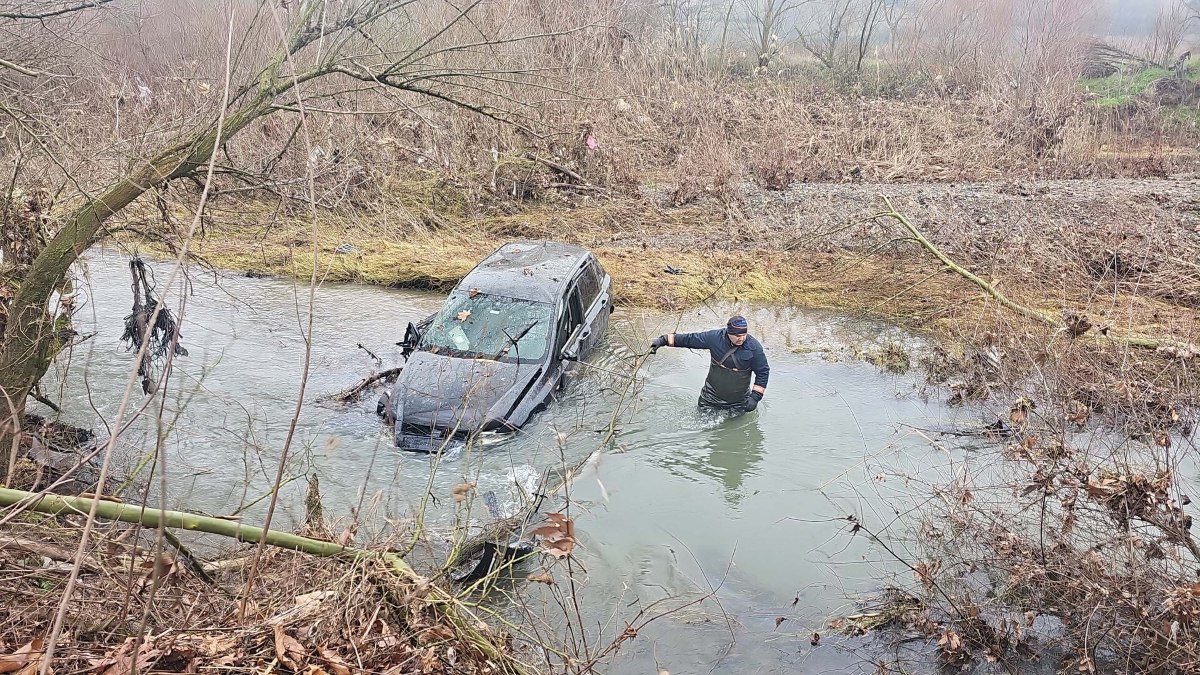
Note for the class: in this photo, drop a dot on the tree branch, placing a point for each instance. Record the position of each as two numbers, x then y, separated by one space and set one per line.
20 69
51 13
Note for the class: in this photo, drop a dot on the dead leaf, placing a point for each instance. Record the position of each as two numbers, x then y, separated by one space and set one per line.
815 640
288 649
779 620
543 578
346 536
460 491
27 659
562 521
548 532
528 271
558 535
1017 416
120 660
561 548
335 662
463 315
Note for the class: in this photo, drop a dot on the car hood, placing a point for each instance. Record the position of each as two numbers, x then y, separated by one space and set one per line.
442 392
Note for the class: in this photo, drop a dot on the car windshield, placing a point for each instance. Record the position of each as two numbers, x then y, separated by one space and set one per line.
477 325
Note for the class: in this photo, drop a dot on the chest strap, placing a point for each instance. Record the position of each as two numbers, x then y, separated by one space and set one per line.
721 363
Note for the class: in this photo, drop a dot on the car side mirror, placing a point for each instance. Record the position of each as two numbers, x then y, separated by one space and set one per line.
570 353
412 338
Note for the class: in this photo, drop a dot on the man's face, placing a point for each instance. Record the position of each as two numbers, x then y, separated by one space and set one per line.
738 340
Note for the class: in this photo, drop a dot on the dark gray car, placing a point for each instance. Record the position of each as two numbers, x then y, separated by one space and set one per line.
500 346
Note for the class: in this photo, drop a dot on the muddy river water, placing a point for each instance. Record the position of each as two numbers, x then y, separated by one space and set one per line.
679 504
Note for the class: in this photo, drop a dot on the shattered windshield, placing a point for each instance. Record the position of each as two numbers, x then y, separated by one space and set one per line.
477 325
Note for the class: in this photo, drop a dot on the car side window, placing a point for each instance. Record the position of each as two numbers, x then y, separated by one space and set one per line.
589 284
572 317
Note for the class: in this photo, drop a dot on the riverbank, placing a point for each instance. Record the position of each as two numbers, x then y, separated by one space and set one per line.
1123 250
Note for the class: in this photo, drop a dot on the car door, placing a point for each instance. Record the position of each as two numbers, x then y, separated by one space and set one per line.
572 333
595 298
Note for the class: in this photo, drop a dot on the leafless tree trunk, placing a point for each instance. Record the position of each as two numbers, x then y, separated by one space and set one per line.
767 19
826 38
867 25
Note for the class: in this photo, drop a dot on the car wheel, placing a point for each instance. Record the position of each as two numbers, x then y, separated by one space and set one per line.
383 403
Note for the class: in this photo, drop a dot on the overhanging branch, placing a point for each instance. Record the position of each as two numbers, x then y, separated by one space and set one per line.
52 13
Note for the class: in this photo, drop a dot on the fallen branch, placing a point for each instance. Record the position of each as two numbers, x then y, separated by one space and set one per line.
41 548
557 167
1174 347
353 392
154 518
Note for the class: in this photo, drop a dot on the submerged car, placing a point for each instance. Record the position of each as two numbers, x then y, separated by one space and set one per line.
500 346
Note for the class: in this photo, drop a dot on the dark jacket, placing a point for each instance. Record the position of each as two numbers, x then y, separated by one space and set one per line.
749 356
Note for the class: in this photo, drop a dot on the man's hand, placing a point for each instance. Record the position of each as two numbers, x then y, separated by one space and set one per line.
752 400
660 341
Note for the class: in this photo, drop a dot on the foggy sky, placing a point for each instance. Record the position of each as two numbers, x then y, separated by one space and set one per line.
1131 17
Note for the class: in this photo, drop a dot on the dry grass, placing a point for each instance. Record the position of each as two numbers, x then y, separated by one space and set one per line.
306 614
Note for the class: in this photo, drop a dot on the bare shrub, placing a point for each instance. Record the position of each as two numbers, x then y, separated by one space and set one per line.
1171 25
707 166
775 168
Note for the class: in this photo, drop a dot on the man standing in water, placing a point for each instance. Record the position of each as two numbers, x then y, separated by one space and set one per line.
733 356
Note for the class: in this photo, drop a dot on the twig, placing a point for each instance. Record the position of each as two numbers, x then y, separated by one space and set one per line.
557 167
370 353
353 392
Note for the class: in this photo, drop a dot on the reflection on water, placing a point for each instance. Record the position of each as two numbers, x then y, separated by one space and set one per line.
727 448
681 502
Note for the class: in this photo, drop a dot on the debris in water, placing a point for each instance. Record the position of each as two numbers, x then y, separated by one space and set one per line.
163 334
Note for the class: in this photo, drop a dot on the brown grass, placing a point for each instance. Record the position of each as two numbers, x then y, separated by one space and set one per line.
334 615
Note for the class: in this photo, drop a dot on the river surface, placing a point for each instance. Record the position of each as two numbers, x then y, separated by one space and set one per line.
678 505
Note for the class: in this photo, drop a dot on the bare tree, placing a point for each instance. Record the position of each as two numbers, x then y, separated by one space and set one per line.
686 30
421 49
767 21
868 22
825 37
896 16
1171 25
841 32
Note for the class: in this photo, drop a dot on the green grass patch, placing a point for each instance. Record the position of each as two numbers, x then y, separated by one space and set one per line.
1120 88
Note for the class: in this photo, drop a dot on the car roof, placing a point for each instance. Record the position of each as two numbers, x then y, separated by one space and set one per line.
527 270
